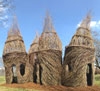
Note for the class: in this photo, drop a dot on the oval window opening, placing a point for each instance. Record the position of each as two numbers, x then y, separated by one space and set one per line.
22 69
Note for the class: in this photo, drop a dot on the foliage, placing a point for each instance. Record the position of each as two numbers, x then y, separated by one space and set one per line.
96 38
6 7
97 79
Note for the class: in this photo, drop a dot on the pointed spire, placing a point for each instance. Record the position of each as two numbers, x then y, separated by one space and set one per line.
36 38
35 44
86 22
48 26
14 30
83 35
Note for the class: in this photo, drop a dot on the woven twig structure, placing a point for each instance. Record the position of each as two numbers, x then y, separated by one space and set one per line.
78 65
49 38
35 44
15 57
49 56
14 42
33 51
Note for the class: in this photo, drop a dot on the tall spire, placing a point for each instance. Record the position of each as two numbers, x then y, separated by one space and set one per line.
14 42
35 44
86 22
36 40
48 26
14 30
83 35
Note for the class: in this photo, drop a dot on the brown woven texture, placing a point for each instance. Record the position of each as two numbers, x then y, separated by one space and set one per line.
16 59
35 44
14 55
78 55
83 35
49 38
46 62
33 51
14 42
77 59
50 67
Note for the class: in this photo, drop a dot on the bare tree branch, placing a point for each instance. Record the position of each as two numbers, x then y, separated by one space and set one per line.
96 38
6 9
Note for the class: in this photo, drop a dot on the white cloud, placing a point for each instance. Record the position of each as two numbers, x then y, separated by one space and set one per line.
78 24
4 17
93 24
5 24
99 22
2 9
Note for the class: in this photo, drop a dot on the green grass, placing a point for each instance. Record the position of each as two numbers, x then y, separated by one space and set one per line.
2 80
2 88
97 80
14 89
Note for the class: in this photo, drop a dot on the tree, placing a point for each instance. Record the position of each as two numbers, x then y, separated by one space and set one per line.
6 8
96 38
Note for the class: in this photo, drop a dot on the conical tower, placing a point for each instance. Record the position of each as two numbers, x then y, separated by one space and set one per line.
78 64
33 52
83 35
15 58
50 55
49 38
35 44
14 42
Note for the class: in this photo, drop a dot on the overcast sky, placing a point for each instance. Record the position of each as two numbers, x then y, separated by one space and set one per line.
66 16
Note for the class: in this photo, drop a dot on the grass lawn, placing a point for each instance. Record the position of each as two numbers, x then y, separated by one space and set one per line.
14 89
2 80
97 79
2 88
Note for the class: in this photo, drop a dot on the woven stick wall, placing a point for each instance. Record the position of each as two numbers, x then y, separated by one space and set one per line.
49 55
14 54
78 55
33 51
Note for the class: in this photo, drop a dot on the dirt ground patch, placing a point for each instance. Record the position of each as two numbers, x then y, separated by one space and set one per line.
51 88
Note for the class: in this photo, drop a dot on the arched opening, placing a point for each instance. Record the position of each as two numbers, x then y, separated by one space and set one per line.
14 74
69 67
35 73
40 74
22 69
89 75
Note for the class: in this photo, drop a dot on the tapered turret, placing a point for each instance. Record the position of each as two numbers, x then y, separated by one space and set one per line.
35 44
78 64
83 35
49 55
14 42
15 58
49 38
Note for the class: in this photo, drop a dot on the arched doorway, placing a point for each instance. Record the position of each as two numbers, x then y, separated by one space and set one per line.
89 75
14 80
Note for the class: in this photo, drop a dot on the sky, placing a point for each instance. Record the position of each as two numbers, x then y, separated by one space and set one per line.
66 16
